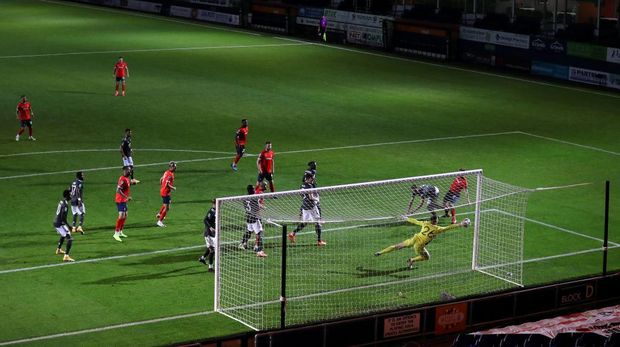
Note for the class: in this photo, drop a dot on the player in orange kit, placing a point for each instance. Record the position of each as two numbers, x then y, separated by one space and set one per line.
24 116
122 198
266 166
241 137
451 198
167 186
121 72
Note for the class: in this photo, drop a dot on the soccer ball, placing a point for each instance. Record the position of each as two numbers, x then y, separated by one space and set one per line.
466 222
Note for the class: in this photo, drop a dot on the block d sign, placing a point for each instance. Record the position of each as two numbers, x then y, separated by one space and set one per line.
450 318
576 294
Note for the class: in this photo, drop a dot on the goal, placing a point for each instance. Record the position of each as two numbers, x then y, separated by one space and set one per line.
303 282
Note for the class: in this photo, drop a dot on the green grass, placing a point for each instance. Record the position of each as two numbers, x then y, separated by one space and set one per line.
301 97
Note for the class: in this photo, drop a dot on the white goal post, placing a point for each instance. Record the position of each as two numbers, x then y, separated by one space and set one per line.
344 278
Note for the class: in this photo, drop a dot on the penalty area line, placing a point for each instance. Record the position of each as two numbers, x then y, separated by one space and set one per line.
112 150
97 260
109 327
447 138
169 250
117 167
569 143
551 226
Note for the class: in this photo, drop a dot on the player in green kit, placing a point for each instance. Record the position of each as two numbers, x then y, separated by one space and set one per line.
419 241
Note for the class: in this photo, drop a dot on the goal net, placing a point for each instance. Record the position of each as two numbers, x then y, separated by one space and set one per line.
344 278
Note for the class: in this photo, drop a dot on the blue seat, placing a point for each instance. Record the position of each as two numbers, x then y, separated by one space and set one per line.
464 340
613 340
536 340
512 340
488 340
564 340
589 340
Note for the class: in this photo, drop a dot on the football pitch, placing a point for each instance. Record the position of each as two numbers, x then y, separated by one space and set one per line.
361 115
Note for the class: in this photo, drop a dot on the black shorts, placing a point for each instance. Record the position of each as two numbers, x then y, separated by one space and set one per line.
240 150
451 197
120 79
265 176
26 123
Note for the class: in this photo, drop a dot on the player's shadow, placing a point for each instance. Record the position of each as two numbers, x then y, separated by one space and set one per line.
140 226
127 279
363 272
88 229
168 259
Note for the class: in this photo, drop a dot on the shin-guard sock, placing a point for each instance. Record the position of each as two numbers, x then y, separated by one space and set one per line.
69 243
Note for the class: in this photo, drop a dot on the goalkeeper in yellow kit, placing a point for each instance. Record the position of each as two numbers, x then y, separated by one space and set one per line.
419 241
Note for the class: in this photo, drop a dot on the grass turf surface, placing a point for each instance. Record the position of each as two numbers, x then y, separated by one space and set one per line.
301 97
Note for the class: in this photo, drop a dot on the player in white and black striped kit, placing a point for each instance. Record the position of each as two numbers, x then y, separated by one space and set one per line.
127 152
310 171
309 212
62 227
77 204
209 234
428 194
254 225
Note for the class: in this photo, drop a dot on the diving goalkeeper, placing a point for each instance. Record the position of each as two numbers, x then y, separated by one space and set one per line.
419 241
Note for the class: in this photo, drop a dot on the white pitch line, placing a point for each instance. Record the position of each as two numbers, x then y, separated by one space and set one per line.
400 142
280 153
533 260
125 12
97 260
415 279
169 250
204 313
125 51
124 325
554 227
112 150
109 168
152 16
109 327
500 278
451 67
570 143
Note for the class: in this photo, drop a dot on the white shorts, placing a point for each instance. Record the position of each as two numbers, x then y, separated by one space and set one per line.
78 210
63 230
310 215
127 161
210 241
256 227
